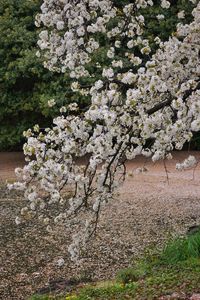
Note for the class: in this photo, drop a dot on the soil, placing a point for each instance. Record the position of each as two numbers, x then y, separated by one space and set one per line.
152 205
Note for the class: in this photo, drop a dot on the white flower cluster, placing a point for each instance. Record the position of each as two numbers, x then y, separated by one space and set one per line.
146 104
187 163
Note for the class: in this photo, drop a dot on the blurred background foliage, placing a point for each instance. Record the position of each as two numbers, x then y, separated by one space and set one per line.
26 86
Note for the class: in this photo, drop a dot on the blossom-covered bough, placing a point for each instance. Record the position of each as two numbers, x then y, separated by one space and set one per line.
144 100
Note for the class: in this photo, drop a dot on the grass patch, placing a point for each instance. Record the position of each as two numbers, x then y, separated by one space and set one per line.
181 249
157 281
114 291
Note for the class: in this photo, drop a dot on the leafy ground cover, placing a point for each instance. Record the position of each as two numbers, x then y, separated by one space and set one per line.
172 274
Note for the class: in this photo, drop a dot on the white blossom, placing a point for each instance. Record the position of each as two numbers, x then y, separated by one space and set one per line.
181 14
60 262
187 163
51 103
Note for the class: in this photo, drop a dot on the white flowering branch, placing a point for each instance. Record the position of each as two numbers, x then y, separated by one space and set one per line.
141 104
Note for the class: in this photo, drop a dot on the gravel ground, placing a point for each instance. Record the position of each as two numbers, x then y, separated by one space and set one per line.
147 211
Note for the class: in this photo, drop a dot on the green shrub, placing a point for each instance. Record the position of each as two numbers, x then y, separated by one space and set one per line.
131 274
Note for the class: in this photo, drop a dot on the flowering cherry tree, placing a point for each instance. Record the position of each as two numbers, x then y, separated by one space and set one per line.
144 100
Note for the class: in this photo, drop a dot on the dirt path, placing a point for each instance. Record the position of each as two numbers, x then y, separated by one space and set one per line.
148 210
8 162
